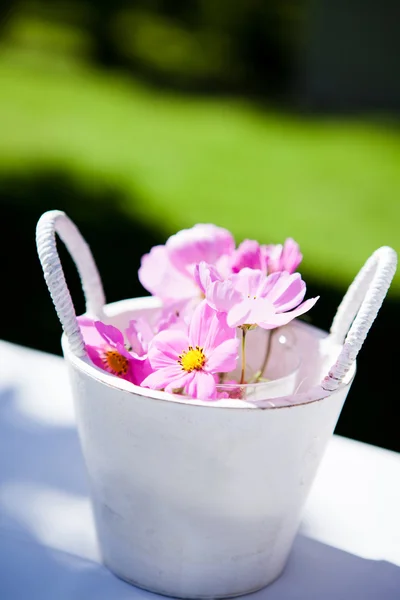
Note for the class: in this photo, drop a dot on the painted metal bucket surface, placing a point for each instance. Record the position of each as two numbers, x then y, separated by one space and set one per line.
199 499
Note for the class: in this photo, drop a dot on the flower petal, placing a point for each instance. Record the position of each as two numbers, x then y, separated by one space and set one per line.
288 292
270 283
95 355
203 242
248 281
221 295
139 369
239 314
276 320
166 347
261 309
109 333
257 309
224 357
223 265
249 254
199 324
159 277
181 381
208 328
201 386
283 258
274 253
139 334
218 332
123 351
291 255
162 378
89 332
204 274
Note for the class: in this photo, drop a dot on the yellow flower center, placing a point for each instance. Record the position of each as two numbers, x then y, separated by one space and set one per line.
192 360
116 362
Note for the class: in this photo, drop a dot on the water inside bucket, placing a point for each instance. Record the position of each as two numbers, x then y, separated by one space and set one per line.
264 379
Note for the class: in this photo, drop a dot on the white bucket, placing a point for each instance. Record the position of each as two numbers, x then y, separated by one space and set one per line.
203 499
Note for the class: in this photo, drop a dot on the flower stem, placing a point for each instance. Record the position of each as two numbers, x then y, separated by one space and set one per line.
244 331
259 373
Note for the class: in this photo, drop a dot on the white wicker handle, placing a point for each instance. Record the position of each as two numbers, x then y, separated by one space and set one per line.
358 310
49 224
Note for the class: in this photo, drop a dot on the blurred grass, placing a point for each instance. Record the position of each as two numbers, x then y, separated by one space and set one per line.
333 185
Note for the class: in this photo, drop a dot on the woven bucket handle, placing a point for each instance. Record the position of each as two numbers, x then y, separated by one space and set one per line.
49 224
358 310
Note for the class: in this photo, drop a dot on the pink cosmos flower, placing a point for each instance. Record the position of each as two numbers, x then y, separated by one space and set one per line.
105 348
250 254
283 258
168 271
251 298
189 360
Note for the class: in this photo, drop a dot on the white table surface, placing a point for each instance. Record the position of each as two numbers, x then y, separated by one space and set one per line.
349 541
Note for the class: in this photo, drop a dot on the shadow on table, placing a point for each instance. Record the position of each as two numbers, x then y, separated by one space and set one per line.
38 454
43 486
314 572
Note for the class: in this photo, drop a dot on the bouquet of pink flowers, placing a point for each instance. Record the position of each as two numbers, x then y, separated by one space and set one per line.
214 296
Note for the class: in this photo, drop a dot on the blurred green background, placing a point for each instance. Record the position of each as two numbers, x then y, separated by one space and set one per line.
271 118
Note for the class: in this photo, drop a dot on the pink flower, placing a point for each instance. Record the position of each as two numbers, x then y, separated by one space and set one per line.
189 361
251 298
168 271
105 348
283 258
250 254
